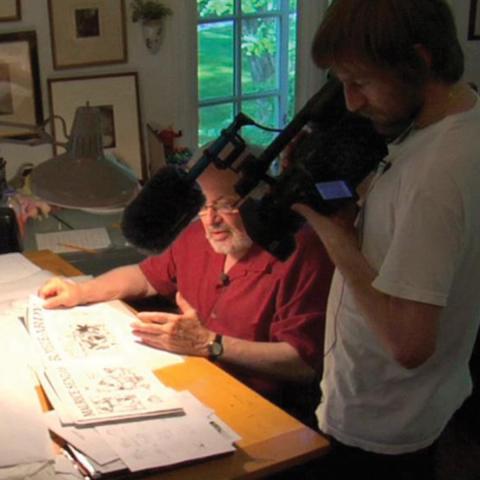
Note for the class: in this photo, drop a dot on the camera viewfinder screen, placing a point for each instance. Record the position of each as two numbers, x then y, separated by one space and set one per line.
335 190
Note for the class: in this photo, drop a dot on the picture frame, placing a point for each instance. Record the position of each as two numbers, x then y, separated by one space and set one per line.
87 33
20 94
117 97
10 10
474 21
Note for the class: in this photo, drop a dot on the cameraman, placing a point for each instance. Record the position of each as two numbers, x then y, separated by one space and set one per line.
403 309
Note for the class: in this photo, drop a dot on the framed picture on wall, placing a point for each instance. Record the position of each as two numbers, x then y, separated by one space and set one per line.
474 21
20 97
117 98
10 10
87 32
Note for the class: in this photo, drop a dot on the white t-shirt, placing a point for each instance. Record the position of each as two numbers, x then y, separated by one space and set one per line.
421 232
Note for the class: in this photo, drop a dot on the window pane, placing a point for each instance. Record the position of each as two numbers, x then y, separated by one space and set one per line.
215 60
292 62
212 120
265 112
255 6
259 54
214 8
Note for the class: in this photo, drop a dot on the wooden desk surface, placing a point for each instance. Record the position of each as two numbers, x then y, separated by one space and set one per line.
271 440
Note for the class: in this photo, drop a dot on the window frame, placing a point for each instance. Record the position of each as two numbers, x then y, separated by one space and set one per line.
280 94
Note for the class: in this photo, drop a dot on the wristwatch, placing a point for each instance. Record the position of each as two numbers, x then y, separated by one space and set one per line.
215 347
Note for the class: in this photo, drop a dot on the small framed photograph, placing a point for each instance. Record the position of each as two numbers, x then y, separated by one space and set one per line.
117 98
20 96
87 32
474 21
10 10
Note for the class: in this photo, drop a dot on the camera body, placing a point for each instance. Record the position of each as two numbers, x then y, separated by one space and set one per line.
322 170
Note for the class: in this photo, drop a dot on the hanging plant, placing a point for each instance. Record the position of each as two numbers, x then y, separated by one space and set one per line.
147 10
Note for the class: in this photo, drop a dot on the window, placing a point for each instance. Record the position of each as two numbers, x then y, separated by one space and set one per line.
246 63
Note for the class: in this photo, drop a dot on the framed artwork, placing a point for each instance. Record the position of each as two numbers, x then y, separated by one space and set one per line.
474 21
20 97
10 10
117 98
87 32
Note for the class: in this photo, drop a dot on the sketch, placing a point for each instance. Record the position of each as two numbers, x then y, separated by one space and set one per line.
87 22
88 369
87 33
96 392
92 337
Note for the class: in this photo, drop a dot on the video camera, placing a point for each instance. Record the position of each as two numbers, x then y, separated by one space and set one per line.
333 151
330 152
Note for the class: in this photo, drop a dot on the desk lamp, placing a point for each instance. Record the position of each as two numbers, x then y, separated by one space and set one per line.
82 177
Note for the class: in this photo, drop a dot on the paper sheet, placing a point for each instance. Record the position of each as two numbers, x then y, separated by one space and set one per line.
168 441
89 371
86 439
22 288
14 267
21 418
73 240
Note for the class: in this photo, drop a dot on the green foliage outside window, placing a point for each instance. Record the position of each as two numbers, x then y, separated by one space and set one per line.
259 50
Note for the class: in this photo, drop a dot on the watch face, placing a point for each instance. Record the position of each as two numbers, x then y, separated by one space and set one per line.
216 349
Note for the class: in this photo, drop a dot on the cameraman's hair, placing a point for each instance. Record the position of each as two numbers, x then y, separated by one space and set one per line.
385 32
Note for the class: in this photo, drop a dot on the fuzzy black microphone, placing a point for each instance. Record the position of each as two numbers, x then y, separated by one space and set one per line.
164 207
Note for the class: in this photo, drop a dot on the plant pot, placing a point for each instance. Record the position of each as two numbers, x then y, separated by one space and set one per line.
153 34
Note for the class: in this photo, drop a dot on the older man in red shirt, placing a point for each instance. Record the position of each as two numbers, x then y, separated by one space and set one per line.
258 317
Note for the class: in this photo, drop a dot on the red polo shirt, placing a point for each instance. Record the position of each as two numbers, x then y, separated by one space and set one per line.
264 299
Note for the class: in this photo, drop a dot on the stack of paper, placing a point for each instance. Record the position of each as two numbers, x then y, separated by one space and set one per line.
21 418
148 444
87 372
90 374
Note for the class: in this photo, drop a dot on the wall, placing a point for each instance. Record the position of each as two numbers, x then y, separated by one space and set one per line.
471 48
165 79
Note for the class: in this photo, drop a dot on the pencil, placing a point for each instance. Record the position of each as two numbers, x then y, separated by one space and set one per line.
77 247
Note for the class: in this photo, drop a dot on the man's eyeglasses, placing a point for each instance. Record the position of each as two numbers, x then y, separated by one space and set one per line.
222 208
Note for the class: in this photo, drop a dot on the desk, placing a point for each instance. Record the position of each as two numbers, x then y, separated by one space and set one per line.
117 254
271 440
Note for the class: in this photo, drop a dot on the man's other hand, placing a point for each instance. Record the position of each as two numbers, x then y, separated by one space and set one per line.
181 333
60 292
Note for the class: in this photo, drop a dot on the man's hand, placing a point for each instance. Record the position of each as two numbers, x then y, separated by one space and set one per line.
179 333
60 292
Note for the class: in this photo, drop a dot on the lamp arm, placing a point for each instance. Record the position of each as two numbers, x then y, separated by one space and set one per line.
42 136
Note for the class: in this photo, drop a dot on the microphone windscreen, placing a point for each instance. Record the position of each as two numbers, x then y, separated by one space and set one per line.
163 208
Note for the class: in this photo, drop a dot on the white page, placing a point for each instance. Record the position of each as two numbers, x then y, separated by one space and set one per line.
154 443
20 410
85 439
21 418
95 393
150 357
14 266
162 442
86 238
15 343
20 289
94 331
